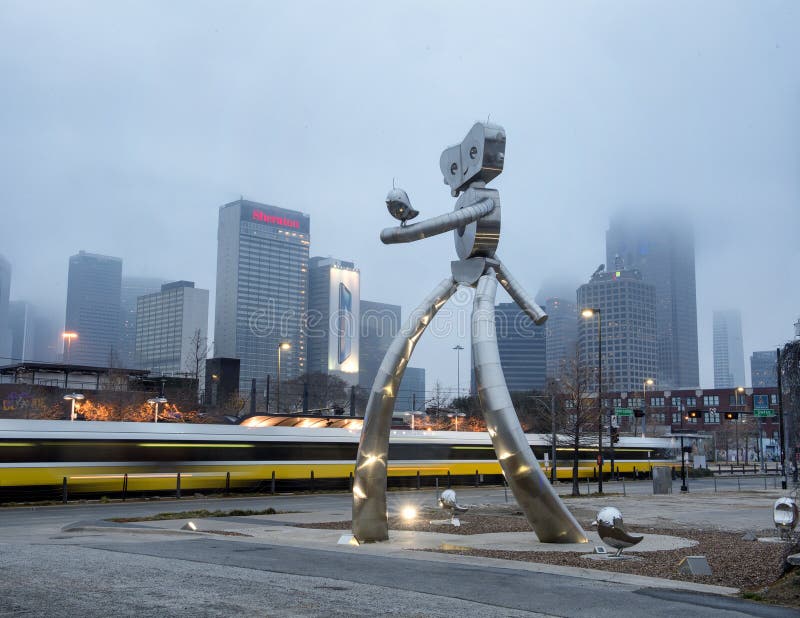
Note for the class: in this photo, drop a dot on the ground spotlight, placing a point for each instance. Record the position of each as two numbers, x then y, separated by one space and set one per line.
408 513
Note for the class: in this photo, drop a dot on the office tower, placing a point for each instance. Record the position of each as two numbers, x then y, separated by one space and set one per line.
627 310
22 320
262 281
48 343
728 349
171 330
221 381
132 288
662 250
379 324
333 321
561 334
5 329
411 393
93 296
522 347
763 369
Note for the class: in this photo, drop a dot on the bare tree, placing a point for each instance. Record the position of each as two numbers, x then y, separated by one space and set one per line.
195 361
324 392
439 399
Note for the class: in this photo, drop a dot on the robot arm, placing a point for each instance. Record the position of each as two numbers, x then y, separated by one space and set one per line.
437 225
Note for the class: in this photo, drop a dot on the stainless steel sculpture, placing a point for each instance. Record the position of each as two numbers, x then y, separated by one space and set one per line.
467 168
785 515
612 530
449 503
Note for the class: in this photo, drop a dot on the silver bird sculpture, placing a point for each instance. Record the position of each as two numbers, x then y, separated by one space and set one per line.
612 530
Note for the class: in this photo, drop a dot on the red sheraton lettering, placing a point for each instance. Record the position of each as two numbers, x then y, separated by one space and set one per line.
265 218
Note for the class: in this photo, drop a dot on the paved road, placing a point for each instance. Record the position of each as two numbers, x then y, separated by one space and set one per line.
46 571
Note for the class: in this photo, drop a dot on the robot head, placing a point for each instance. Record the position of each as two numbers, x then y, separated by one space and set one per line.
479 157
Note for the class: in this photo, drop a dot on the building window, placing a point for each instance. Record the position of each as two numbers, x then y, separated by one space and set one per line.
635 402
676 401
569 404
691 402
711 400
691 420
659 418
773 399
711 417
657 402
573 418
676 418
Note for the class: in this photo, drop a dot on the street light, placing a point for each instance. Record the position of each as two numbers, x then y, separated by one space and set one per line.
68 336
156 401
587 314
739 390
414 414
458 349
647 382
72 398
283 345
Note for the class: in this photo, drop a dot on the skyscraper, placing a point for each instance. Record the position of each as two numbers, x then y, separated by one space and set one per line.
332 324
628 312
379 324
522 347
93 297
411 392
662 249
171 329
132 288
561 334
728 349
763 369
262 283
5 329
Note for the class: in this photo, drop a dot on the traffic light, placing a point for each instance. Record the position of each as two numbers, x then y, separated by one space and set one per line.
687 449
694 414
731 416
614 435
638 413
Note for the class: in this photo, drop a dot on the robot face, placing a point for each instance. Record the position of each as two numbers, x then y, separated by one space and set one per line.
479 157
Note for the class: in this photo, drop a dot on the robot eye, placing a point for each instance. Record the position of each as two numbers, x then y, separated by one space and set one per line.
473 152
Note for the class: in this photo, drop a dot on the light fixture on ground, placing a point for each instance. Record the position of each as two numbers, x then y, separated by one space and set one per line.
156 401
72 398
455 416
283 345
589 313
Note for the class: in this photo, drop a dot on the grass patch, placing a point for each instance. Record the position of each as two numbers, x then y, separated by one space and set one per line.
201 514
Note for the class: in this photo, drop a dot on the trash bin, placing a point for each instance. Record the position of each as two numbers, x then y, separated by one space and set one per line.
662 480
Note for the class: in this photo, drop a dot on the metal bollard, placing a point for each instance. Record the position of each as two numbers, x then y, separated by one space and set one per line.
124 486
739 483
419 481
272 487
448 479
178 486
477 479
715 484
227 483
312 481
350 482
505 488
623 487
64 490
437 488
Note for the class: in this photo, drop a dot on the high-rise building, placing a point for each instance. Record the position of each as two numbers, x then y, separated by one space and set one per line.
627 310
728 349
522 347
763 369
411 393
379 324
5 329
22 319
93 296
171 330
333 321
561 334
132 289
663 251
262 284
47 338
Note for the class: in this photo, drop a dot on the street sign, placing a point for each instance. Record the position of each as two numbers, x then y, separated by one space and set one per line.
763 413
761 402
623 411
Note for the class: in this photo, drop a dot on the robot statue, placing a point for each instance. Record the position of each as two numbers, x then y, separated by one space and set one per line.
467 168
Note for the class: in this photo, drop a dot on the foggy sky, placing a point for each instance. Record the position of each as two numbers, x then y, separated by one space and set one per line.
126 125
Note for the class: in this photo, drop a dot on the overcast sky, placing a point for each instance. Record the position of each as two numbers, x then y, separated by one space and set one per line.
126 125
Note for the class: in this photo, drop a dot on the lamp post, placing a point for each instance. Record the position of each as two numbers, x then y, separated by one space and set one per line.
155 401
72 398
739 390
283 345
587 314
458 349
684 488
68 336
645 384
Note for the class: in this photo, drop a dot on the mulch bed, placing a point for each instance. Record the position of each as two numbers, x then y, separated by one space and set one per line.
749 565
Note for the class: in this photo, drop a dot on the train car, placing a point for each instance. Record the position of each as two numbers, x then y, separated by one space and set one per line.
104 457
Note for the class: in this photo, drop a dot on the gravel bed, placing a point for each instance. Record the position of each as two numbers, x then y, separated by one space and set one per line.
749 565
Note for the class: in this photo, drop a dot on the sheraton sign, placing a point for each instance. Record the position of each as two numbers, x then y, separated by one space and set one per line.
275 220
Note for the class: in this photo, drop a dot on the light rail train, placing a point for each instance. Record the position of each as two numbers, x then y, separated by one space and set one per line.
98 457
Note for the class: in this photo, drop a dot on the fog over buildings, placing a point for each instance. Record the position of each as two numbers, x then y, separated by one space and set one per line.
126 126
